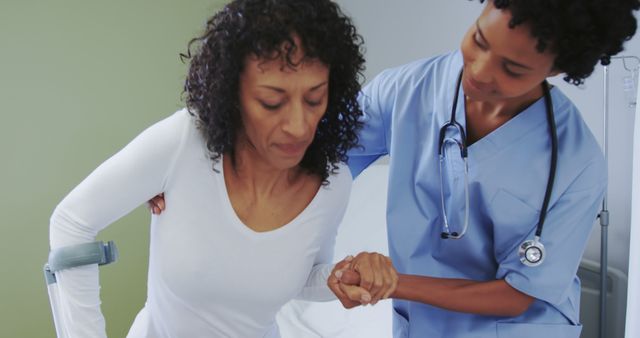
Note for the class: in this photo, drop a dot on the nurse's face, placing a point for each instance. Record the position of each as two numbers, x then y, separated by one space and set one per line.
281 107
501 63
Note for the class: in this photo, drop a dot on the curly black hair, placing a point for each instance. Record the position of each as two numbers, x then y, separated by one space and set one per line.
579 32
265 28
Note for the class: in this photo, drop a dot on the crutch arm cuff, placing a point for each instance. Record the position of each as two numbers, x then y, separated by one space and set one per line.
100 253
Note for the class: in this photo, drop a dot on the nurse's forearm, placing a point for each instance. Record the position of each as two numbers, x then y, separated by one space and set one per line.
496 298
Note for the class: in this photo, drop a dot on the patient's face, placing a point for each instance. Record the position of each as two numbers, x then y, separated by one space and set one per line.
281 107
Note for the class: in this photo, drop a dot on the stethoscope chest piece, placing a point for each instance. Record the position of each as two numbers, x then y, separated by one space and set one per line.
531 252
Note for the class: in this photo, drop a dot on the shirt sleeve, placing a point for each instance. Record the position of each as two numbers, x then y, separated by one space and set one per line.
123 182
566 231
376 101
316 288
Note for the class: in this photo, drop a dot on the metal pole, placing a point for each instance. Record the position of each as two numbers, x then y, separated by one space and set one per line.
604 214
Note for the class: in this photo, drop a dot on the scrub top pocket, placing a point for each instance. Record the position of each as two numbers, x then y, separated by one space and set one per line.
400 325
512 219
512 330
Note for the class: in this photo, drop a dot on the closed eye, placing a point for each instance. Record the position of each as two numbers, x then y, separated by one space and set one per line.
477 39
313 103
511 73
270 106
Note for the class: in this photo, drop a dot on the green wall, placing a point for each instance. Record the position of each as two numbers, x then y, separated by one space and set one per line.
78 80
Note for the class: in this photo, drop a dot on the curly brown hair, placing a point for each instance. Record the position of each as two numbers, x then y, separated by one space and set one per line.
262 28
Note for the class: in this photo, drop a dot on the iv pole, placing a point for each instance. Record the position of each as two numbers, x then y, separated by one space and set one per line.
604 213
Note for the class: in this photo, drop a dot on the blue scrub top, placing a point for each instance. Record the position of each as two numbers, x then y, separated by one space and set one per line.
508 171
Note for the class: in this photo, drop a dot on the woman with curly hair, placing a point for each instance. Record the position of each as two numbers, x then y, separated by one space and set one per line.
253 169
495 179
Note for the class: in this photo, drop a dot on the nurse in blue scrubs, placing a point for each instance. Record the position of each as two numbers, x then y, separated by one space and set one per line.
470 136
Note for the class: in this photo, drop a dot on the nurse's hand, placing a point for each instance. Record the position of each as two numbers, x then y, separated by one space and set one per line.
156 205
349 295
377 275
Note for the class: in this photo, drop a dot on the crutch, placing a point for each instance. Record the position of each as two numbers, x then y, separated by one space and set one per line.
100 253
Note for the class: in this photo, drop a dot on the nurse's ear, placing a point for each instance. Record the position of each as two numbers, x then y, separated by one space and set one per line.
554 72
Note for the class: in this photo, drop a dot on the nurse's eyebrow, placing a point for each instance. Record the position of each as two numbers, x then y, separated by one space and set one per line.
480 32
507 60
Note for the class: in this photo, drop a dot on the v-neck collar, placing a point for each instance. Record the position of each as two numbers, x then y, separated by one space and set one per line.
505 135
274 233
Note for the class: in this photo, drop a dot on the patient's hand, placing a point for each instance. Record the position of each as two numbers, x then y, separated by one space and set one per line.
156 204
349 295
375 273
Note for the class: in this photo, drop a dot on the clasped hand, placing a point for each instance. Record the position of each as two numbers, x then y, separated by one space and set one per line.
364 279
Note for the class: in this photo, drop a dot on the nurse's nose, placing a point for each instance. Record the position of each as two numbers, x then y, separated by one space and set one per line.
481 69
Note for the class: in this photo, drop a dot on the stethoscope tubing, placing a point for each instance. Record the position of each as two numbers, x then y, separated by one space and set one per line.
463 150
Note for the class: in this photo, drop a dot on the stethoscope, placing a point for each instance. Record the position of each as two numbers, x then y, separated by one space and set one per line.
531 252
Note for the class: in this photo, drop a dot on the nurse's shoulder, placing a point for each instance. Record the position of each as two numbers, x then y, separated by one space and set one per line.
581 162
414 78
421 71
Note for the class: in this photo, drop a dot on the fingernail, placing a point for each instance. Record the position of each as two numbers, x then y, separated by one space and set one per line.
365 298
338 274
348 258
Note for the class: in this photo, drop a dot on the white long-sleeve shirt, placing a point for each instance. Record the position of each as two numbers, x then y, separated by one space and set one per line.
209 274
